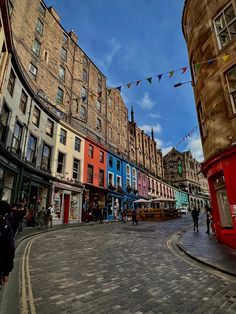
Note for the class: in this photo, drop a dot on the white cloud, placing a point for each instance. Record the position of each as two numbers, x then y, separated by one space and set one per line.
115 46
147 128
165 150
195 146
164 147
146 102
154 115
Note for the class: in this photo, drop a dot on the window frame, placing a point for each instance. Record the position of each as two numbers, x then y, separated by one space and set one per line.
90 151
39 26
90 175
43 157
36 116
11 83
61 164
60 95
31 150
36 47
23 103
63 54
232 101
49 127
76 170
17 139
62 73
77 144
63 137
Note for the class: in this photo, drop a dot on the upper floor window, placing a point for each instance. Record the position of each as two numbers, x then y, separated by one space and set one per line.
39 26
99 107
46 157
42 9
77 144
63 134
118 165
23 101
101 156
64 38
63 54
85 75
128 170
62 73
110 161
231 82
11 83
60 95
101 177
202 122
90 151
17 135
61 162
4 119
109 133
10 7
31 149
49 128
99 83
98 124
76 169
36 116
83 91
225 26
33 71
82 112
36 47
90 174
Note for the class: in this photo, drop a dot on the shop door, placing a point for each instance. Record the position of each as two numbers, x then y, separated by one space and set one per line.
66 208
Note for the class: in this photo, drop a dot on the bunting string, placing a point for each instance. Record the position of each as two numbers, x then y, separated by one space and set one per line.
185 138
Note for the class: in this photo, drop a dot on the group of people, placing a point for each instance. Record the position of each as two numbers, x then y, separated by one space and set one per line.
209 222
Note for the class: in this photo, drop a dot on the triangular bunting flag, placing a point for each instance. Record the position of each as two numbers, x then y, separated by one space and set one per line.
184 70
159 77
137 82
197 67
225 58
84 98
119 88
171 73
149 80
128 85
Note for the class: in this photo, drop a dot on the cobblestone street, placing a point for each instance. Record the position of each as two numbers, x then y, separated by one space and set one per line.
120 268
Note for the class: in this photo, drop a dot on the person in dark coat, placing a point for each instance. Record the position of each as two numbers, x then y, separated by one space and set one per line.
208 221
134 216
195 215
7 244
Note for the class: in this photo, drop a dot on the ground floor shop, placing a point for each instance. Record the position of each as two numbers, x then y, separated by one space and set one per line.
221 174
67 202
114 206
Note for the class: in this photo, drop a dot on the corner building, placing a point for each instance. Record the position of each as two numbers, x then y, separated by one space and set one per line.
209 28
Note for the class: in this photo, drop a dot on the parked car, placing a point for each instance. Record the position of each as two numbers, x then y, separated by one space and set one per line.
183 210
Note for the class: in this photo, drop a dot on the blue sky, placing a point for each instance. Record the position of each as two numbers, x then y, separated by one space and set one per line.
131 40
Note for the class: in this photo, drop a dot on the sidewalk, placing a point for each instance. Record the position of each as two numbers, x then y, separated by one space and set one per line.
205 248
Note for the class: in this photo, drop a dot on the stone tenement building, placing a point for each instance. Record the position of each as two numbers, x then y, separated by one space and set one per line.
183 172
209 29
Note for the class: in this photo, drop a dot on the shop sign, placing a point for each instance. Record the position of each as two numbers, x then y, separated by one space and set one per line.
67 187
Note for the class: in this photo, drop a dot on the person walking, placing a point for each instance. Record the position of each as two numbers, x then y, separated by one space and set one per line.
7 244
134 216
195 215
49 213
208 216
41 219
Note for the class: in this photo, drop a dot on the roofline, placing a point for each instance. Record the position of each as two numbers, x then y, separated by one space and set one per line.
183 14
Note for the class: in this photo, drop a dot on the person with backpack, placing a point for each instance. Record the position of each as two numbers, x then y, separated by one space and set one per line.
7 243
49 213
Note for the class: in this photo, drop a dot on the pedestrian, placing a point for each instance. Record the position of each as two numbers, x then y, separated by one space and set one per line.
124 214
7 245
134 216
41 219
208 216
21 216
49 213
14 217
101 215
195 215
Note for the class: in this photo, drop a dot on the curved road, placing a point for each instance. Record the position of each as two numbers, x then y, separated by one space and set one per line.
113 269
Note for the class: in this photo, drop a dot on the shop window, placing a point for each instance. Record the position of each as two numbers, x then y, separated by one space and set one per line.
31 149
101 157
17 136
118 165
60 95
4 118
77 144
225 26
36 47
202 122
90 151
39 26
36 116
223 203
60 162
63 135
42 9
62 73
76 169
231 82
6 185
23 101
11 83
46 157
110 161
33 72
49 128
63 54
90 174
82 112
101 177
110 179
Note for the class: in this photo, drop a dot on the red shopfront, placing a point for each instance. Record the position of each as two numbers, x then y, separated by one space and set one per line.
221 173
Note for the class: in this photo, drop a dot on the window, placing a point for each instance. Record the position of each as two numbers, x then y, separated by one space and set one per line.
202 122
60 162
10 7
90 151
225 26
63 54
36 116
42 9
109 133
99 83
110 116
101 156
4 118
118 181
101 177
110 179
60 95
90 174
45 57
62 73
85 75
98 124
23 102
83 91
11 83
231 82
63 134
33 71
49 128
31 149
99 107
118 165
128 170
17 135
64 38
77 144
110 101
46 157
36 47
39 26
82 112
110 161
76 169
